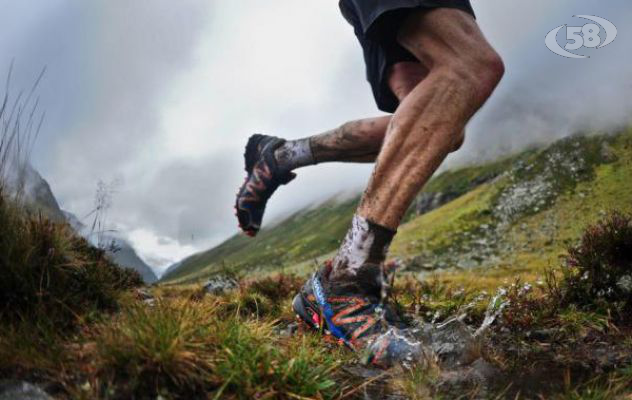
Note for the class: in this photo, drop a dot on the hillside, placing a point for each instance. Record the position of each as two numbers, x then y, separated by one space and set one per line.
511 213
38 197
122 253
35 192
302 237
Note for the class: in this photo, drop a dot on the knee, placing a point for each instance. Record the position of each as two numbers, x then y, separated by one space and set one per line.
457 140
490 68
481 71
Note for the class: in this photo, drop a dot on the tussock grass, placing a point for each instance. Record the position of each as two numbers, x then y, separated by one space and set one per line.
52 283
31 348
166 346
48 273
187 348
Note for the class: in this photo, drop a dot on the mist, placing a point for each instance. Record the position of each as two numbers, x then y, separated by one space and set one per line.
545 97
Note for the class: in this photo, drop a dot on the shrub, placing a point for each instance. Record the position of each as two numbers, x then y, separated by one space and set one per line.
278 287
598 271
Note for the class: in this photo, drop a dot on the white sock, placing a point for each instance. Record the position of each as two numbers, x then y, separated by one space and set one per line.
365 243
294 154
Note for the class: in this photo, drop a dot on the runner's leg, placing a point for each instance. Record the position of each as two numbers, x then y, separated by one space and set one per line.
428 124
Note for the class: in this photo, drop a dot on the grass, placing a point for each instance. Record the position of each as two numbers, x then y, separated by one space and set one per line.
186 348
616 385
73 322
52 283
534 242
46 271
193 345
439 228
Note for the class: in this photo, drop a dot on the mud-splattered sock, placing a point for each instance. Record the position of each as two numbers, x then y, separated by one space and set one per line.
366 243
294 154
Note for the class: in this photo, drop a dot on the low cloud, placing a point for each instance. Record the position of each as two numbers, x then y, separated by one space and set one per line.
163 99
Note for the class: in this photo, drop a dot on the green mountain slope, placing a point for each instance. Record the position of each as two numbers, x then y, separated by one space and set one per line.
513 213
524 219
301 237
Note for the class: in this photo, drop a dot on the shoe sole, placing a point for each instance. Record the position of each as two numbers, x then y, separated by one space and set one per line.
252 151
298 305
252 155
250 159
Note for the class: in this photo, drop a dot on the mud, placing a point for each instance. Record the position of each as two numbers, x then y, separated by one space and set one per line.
355 141
365 243
294 154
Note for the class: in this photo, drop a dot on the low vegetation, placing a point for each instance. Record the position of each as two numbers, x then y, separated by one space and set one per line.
51 283
180 342
191 348
556 297
49 272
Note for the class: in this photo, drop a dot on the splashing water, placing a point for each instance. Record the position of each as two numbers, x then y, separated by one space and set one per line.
396 346
495 307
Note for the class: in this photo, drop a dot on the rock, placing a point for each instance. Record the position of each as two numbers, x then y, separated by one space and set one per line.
607 153
150 302
287 330
452 342
625 283
397 347
362 371
482 371
143 294
218 284
427 202
467 263
20 390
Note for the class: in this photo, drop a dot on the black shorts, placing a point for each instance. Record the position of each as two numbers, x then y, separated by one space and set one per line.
376 23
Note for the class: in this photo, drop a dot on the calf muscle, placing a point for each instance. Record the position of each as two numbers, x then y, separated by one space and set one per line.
429 122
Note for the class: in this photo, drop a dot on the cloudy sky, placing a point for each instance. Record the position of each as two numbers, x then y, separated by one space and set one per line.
159 98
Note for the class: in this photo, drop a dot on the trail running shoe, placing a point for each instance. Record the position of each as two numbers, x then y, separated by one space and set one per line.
264 177
355 315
